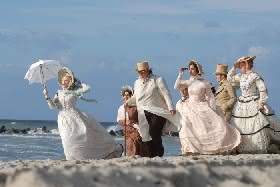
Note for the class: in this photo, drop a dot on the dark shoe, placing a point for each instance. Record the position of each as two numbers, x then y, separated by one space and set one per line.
122 149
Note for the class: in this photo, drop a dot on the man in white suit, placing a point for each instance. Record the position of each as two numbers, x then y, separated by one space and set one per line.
155 108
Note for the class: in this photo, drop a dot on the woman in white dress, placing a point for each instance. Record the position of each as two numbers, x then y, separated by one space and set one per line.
82 136
203 130
251 115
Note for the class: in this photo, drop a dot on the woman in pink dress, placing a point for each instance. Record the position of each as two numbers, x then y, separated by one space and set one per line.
203 130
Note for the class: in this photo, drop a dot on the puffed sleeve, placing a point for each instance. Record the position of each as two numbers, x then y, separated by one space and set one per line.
121 113
164 92
179 83
85 87
54 103
233 79
81 88
263 91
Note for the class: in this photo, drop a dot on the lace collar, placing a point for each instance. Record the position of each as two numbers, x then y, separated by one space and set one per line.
248 79
197 77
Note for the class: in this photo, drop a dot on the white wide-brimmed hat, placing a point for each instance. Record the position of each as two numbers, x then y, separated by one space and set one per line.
142 66
244 59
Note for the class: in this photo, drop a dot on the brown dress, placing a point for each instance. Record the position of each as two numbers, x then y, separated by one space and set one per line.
134 143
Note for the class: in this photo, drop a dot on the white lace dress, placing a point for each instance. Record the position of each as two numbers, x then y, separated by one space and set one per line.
82 136
203 130
255 126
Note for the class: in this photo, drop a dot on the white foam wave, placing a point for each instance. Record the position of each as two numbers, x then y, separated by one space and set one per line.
41 131
114 128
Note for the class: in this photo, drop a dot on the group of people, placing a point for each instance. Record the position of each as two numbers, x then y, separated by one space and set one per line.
207 122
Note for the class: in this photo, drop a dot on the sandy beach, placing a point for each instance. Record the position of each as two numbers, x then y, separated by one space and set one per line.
203 170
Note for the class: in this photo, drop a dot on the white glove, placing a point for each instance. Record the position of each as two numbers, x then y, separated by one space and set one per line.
136 126
46 93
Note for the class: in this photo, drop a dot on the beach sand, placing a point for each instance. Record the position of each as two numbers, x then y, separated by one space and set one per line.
203 170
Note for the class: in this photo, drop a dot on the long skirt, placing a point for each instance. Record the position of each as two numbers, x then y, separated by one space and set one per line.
134 143
205 132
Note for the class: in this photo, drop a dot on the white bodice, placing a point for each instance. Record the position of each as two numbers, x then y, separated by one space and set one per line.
197 91
65 101
248 84
251 85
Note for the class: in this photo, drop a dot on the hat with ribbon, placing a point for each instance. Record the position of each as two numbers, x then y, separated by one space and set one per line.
193 62
221 69
65 71
142 66
244 59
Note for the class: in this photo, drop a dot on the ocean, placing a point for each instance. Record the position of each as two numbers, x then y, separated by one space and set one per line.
40 145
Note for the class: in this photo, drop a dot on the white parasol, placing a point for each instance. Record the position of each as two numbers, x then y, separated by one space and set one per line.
42 71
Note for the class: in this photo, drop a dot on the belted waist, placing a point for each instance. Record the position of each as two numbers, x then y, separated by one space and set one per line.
64 108
247 99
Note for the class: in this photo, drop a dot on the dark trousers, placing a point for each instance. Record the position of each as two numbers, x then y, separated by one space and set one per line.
156 124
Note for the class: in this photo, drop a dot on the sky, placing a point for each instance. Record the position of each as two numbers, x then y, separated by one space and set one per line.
101 42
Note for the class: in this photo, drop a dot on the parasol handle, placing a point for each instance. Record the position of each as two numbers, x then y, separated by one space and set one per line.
124 130
46 91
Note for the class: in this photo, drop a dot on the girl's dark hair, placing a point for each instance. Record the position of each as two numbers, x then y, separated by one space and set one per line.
195 66
129 91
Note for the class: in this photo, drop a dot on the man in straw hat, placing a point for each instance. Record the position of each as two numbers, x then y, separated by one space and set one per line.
225 95
155 108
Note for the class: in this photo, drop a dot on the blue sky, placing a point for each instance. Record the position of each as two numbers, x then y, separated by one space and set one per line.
101 41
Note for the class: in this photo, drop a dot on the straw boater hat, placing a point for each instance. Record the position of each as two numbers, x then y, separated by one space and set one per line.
200 71
143 66
61 74
221 69
244 59
126 88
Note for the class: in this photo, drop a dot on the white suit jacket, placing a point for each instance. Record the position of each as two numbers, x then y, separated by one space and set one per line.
153 95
